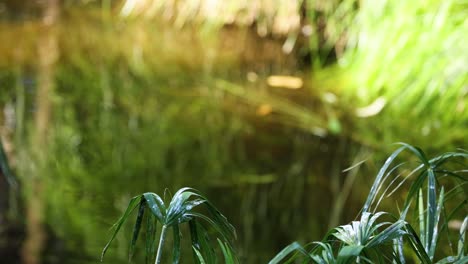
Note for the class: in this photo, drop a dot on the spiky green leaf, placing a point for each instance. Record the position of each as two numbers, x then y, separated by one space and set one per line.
131 206
136 228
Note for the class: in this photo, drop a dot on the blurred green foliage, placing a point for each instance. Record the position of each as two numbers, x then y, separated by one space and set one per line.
148 102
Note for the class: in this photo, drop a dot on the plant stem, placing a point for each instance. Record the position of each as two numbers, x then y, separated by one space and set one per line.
161 242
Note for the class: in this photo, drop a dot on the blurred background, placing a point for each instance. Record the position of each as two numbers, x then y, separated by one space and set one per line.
260 104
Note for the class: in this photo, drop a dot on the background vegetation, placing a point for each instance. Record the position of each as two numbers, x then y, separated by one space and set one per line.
267 101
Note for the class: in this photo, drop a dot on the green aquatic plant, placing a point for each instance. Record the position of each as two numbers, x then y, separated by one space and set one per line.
360 241
180 210
367 241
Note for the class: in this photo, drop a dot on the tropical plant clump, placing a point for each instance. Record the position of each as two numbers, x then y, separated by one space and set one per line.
370 240
377 237
180 210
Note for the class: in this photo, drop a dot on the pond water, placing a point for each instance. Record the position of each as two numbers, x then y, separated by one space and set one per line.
136 107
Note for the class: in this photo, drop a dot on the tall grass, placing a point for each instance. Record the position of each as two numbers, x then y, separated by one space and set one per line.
406 61
370 240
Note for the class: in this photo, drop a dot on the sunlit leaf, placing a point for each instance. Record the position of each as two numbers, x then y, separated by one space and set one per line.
348 254
294 247
392 232
378 179
156 205
200 258
461 239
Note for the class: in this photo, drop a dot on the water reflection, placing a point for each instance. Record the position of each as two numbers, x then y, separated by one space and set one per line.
106 109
